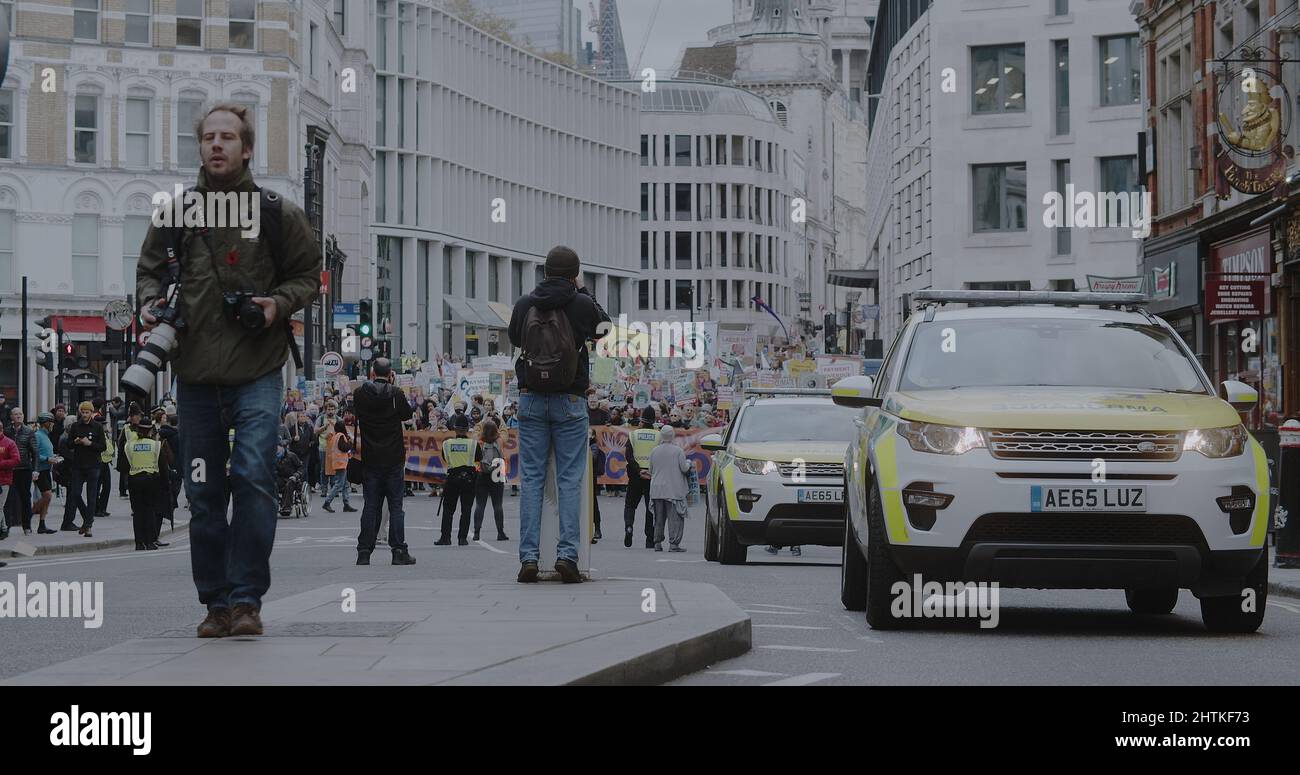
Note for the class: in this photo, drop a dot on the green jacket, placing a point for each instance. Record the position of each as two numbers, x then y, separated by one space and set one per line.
212 348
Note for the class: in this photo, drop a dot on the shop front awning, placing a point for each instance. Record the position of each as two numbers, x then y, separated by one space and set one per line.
854 278
476 312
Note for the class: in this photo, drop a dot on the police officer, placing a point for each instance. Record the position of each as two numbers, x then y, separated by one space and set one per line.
458 457
147 459
640 443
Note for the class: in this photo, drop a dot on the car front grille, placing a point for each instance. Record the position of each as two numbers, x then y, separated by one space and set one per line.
1085 445
788 470
1092 528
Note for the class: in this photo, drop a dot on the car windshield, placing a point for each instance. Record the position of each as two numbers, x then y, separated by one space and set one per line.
1058 352
871 366
796 422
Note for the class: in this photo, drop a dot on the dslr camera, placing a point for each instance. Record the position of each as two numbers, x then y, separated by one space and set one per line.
241 308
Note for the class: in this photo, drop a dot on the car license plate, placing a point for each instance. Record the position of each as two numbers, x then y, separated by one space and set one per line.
1043 498
821 495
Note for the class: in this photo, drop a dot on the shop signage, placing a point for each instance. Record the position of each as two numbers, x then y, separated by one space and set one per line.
1098 284
1237 284
1253 118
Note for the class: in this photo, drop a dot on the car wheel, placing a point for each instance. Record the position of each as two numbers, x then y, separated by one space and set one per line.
881 573
730 551
1226 614
710 538
853 569
1151 601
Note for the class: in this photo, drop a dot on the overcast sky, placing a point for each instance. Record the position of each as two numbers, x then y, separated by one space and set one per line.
679 22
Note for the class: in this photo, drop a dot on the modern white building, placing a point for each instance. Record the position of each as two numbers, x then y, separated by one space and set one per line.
485 157
548 26
783 50
717 180
983 109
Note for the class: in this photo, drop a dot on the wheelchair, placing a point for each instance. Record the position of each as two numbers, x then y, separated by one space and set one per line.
299 498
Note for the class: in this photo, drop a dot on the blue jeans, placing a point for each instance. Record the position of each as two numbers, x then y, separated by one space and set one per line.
338 484
378 484
551 422
232 561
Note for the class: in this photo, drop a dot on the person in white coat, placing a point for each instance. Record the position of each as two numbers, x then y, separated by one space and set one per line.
668 490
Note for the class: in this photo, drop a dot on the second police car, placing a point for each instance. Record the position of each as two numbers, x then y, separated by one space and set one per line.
1037 441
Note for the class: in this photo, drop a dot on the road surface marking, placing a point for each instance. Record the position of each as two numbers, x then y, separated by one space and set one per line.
804 680
773 613
809 648
490 547
747 673
790 627
1292 607
785 607
674 560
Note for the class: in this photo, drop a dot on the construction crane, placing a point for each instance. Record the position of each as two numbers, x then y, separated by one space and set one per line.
636 68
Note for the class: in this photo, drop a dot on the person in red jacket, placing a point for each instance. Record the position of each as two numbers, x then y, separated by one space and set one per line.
9 459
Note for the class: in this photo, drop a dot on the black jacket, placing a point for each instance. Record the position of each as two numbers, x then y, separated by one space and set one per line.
287 466
584 314
25 438
381 409
80 455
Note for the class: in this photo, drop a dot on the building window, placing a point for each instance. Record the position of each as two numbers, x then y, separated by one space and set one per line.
85 128
243 25
779 110
684 290
642 292
85 255
381 35
189 23
1119 174
645 151
85 19
645 201
999 197
134 229
682 249
138 17
381 186
312 42
1061 175
1121 73
683 204
682 152
187 147
6 123
1061 63
6 250
722 294
7 7
998 78
340 16
615 305
470 276
137 131
645 249
1060 7
381 110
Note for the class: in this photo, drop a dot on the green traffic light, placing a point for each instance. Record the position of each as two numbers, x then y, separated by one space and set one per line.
364 329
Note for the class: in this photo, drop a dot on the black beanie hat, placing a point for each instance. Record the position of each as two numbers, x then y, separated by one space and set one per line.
648 415
562 262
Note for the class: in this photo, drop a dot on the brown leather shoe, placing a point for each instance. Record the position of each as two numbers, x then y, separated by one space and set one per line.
246 620
216 625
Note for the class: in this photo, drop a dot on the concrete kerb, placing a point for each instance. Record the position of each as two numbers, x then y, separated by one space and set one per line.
86 546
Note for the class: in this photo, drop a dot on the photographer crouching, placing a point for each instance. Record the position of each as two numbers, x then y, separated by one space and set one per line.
218 303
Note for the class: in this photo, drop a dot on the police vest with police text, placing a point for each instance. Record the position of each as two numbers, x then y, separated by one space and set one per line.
457 452
142 455
644 440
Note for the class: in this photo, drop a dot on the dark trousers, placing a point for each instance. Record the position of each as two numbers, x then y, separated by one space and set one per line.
148 495
638 489
122 489
286 487
77 478
489 489
595 500
459 488
379 484
18 500
105 488
313 466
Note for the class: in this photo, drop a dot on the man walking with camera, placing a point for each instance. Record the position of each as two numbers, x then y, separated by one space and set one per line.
238 288
552 326
381 409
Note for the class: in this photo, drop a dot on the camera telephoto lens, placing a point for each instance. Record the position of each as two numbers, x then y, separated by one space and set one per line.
138 380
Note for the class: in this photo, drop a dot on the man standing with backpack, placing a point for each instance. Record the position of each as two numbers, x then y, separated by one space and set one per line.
552 326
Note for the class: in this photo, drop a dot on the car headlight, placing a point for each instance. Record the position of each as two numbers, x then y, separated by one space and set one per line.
1217 442
747 465
940 439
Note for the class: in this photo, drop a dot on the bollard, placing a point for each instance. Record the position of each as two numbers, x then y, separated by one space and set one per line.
1286 515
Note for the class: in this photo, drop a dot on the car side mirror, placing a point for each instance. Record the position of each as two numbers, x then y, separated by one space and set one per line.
1243 397
712 442
855 392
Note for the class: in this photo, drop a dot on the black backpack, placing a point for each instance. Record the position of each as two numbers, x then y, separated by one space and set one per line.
550 351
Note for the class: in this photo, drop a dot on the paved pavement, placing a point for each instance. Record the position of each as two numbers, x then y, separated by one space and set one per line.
800 632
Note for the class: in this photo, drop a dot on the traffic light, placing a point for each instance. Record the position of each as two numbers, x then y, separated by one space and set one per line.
366 325
69 356
48 344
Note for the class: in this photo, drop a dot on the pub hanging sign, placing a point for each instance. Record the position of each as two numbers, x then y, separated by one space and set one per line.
1253 119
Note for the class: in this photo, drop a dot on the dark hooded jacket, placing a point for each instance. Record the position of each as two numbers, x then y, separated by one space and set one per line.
381 409
581 308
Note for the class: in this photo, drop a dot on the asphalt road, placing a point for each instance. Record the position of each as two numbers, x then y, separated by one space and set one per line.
801 635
